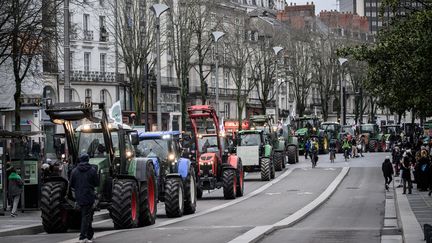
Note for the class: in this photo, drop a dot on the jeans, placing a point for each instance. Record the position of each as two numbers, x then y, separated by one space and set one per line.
86 222
405 181
15 202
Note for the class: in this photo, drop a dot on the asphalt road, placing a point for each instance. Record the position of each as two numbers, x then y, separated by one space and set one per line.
355 209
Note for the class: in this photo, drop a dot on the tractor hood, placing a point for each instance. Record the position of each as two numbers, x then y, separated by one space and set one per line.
98 161
301 132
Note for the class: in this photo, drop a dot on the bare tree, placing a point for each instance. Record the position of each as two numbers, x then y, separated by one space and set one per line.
5 29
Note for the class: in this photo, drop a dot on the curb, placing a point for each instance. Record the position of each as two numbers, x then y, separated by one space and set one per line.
258 232
38 228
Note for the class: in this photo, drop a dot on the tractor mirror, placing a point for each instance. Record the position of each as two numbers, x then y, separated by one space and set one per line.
134 138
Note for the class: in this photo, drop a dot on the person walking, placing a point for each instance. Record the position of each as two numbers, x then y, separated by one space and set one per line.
15 188
362 145
307 148
84 179
406 175
387 169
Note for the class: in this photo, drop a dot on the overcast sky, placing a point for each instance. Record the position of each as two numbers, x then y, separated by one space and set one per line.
319 4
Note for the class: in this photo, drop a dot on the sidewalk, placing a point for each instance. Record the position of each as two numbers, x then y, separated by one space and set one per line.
414 210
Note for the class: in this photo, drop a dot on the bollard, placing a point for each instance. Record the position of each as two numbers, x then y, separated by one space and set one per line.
427 231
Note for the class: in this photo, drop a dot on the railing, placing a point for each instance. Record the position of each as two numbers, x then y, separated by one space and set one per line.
88 35
103 36
81 76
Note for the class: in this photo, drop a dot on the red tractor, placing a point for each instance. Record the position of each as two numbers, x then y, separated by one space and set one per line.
217 166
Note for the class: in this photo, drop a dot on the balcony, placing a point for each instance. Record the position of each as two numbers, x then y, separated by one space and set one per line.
103 36
106 77
88 35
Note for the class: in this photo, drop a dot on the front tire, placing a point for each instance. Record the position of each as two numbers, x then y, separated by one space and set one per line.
148 198
125 201
229 184
240 180
292 154
174 197
278 161
191 193
54 216
265 169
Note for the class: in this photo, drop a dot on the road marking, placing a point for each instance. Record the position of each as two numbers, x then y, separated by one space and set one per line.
258 232
304 193
273 193
329 169
210 210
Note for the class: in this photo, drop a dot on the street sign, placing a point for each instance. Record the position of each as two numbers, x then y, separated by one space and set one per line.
270 111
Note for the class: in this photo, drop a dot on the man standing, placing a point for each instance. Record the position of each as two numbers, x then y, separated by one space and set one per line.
84 179
15 188
387 170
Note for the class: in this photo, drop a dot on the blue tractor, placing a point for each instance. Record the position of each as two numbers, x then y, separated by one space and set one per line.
175 174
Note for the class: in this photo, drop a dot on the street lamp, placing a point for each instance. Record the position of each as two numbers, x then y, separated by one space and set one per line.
342 95
216 36
158 10
276 50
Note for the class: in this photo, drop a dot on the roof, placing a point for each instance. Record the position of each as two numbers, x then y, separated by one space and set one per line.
249 131
114 126
155 135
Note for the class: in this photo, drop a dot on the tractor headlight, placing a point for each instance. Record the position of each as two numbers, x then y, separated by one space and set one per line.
171 157
45 166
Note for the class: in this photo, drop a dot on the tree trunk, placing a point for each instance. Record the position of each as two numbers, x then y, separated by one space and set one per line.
17 99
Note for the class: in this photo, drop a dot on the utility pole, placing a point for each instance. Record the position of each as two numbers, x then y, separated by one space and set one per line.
67 88
216 36
342 93
276 50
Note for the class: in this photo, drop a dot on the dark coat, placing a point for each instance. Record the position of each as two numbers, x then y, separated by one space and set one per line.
387 168
84 179
406 171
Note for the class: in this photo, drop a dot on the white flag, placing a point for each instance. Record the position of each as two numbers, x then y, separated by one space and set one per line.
115 113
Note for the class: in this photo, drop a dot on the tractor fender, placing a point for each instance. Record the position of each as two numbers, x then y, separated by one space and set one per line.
56 178
293 141
267 151
141 168
281 146
232 161
183 166
173 175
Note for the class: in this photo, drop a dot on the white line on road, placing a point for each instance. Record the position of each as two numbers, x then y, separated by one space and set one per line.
210 210
258 232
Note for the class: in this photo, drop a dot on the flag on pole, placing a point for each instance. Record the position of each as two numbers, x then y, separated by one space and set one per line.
115 113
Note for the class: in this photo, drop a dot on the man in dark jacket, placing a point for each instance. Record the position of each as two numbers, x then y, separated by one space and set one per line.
84 179
387 170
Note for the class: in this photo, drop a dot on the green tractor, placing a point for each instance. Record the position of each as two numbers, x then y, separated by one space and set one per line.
127 185
308 127
265 123
373 137
256 152
333 131
290 143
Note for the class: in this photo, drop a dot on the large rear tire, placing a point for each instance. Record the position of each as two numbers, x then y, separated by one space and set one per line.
199 192
125 204
278 161
292 154
229 184
191 193
272 170
174 197
54 216
240 180
148 198
265 169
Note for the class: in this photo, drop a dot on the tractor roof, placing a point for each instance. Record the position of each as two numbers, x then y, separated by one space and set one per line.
327 123
157 135
250 131
93 126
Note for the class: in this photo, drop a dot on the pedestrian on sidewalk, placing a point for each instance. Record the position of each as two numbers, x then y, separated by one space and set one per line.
387 170
422 171
362 144
307 148
84 179
15 188
406 175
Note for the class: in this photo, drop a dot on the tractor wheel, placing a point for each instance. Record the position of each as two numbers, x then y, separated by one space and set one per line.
125 204
373 146
278 161
229 184
191 192
272 170
54 216
292 154
74 220
265 169
240 180
174 197
148 199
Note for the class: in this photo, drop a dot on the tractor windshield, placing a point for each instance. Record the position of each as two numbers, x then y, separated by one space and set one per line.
308 123
369 128
329 127
207 144
250 139
153 148
93 143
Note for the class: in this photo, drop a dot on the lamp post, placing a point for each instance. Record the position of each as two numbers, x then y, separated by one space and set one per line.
342 95
216 36
158 10
276 50
66 87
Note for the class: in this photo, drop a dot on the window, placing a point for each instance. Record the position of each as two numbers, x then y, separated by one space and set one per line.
227 110
74 95
226 80
105 97
88 93
86 21
86 62
102 29
71 58
102 2
213 80
103 62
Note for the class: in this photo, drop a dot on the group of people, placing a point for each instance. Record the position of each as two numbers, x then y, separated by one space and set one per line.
413 164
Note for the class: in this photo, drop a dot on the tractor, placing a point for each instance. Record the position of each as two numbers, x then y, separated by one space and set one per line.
127 185
217 167
373 138
275 137
308 127
291 143
391 134
175 174
254 148
333 130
